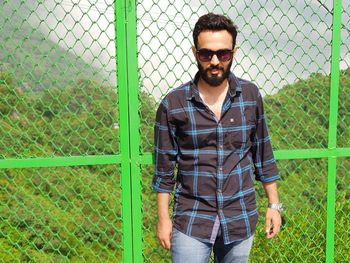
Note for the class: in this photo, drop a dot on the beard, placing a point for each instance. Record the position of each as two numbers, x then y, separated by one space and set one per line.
214 80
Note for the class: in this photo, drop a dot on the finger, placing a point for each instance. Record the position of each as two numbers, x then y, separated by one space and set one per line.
268 225
162 243
169 240
277 224
269 234
167 244
273 232
275 227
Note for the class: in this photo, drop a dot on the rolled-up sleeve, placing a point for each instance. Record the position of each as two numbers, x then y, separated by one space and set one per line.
264 161
165 150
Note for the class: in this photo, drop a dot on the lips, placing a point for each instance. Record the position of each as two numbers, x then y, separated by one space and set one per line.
214 71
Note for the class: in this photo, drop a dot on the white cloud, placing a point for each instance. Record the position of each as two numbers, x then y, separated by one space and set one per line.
278 42
84 27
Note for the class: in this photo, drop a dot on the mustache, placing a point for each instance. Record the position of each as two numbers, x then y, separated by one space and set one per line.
215 67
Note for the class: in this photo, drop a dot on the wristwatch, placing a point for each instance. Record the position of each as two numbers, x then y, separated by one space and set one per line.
278 207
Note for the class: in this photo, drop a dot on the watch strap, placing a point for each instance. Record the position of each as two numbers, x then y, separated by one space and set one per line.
278 206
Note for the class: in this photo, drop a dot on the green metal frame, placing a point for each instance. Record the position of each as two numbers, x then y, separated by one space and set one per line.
133 102
332 152
333 124
130 158
129 125
122 75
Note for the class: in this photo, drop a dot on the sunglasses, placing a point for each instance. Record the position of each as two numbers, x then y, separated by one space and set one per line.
205 55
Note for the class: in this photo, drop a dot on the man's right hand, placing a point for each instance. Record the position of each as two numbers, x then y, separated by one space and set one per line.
164 232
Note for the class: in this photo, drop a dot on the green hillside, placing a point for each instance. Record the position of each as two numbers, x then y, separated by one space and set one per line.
37 62
298 118
61 213
299 113
74 213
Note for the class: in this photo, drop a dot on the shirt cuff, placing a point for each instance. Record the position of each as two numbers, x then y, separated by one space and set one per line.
268 179
163 184
161 190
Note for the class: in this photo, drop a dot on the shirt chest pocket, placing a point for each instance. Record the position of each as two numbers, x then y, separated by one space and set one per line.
239 129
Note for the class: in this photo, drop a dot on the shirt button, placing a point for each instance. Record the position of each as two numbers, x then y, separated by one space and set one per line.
220 168
221 147
219 191
220 210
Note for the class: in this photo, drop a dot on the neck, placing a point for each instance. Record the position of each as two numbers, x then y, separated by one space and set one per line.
205 88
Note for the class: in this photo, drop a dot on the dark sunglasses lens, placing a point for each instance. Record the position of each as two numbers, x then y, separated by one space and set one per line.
224 55
205 55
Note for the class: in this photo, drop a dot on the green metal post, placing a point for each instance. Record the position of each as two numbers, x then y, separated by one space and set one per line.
134 125
333 123
121 48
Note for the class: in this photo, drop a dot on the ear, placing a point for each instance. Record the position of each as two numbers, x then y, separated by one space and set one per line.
194 51
235 50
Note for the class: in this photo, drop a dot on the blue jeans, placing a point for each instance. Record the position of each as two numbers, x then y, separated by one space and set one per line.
187 249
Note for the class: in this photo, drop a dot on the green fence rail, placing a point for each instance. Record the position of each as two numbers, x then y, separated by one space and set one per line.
80 82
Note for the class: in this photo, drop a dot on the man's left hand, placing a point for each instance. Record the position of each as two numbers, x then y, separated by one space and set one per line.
273 222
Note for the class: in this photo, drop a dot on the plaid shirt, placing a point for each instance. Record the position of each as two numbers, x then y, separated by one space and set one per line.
216 160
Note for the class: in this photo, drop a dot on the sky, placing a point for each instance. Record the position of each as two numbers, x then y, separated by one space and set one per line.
278 42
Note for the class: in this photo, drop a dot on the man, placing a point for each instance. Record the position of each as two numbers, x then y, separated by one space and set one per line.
212 130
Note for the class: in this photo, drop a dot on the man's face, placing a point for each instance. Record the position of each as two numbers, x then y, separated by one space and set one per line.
214 72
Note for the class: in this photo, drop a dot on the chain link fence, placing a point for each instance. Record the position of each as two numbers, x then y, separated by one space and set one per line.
60 214
58 99
285 48
68 190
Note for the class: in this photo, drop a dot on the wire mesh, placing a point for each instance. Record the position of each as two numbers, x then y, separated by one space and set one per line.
58 98
57 80
60 214
280 44
343 130
151 250
285 48
342 229
303 236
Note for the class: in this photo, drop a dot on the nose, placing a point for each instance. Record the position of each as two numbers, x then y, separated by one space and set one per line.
214 60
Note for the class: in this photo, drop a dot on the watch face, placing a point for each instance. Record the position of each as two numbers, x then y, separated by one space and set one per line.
279 206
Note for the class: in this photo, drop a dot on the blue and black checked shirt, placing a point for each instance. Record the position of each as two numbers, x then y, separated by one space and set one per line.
216 160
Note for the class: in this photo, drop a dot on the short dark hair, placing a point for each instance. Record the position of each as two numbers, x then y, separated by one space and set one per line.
214 22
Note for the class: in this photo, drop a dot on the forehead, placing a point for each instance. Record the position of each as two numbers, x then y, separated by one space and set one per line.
215 40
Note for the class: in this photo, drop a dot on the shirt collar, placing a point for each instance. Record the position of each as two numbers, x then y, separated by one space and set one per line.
234 87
